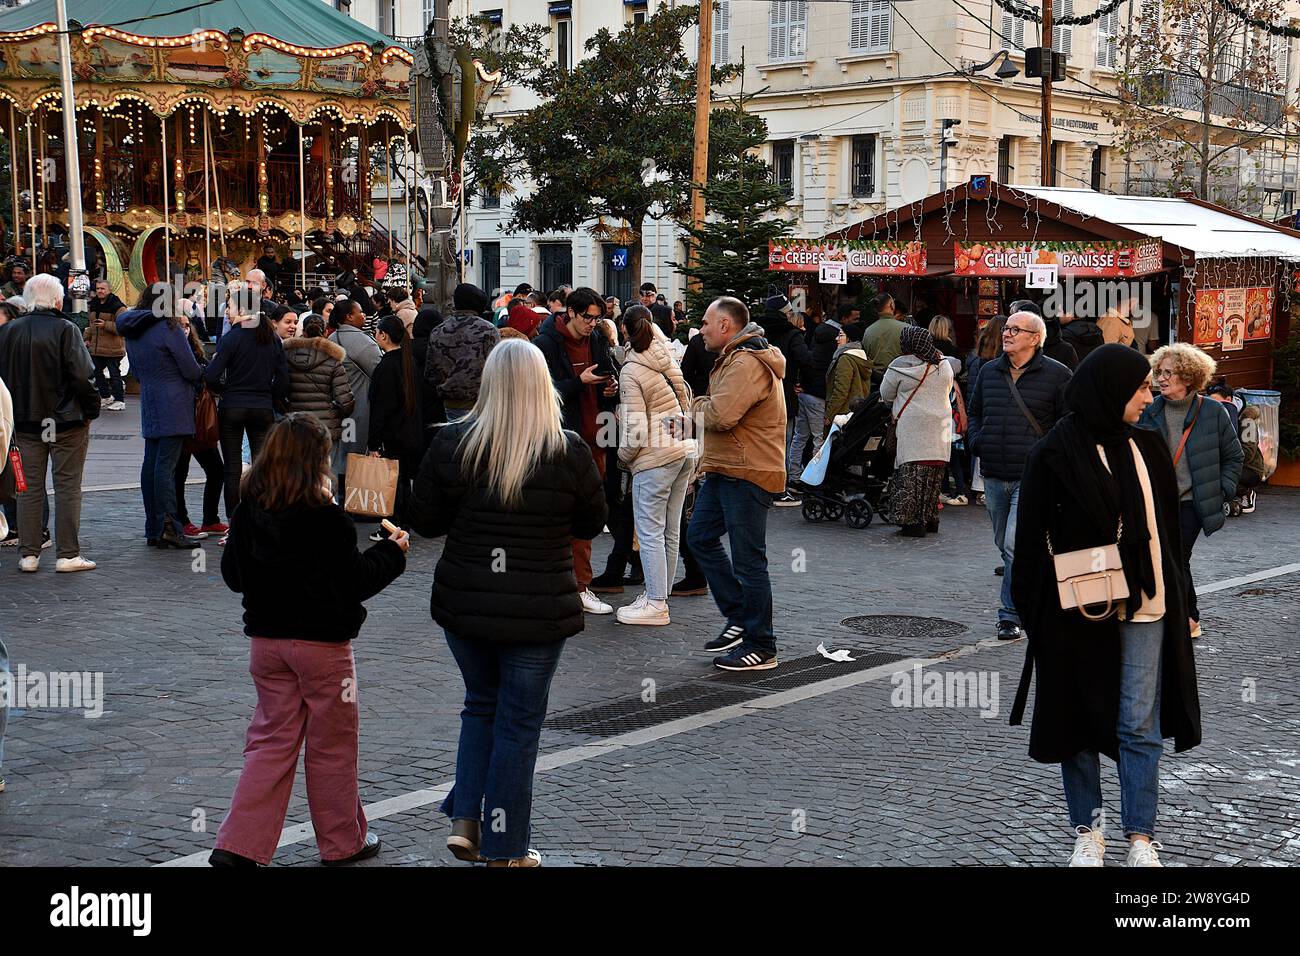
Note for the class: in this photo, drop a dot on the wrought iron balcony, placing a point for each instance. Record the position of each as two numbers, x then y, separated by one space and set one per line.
1186 91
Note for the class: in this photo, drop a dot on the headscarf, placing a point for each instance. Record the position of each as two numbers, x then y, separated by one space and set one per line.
1095 399
919 342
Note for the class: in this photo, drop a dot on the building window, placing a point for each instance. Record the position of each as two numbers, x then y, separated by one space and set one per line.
783 165
722 33
491 198
862 172
1006 169
557 264
871 26
1108 40
1063 37
1098 168
489 262
787 36
387 16
562 30
1013 28
635 11
426 9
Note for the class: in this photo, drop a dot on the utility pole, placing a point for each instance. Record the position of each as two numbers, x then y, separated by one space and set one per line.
703 88
72 162
1045 162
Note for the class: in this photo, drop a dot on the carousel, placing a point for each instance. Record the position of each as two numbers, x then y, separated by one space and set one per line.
206 142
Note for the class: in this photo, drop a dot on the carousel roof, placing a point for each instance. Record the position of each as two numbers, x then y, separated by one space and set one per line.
305 23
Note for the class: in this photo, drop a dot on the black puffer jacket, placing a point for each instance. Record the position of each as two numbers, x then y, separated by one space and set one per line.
1055 347
1083 335
998 431
45 363
790 342
318 382
506 577
812 375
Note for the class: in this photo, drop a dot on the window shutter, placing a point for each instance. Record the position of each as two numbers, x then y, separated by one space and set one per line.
1062 37
798 18
1108 40
722 32
882 15
1013 29
870 26
860 25
778 31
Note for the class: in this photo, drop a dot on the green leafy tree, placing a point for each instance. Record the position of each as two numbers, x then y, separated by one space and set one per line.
611 139
742 206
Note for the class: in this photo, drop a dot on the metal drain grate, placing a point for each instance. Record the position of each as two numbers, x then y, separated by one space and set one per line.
900 626
101 437
803 670
633 713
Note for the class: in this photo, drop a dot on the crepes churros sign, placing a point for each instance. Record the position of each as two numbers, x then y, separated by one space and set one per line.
1098 259
862 257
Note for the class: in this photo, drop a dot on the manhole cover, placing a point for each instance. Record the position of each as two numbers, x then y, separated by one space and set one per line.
896 625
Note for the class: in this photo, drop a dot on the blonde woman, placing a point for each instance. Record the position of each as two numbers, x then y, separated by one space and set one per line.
510 488
1207 455
945 336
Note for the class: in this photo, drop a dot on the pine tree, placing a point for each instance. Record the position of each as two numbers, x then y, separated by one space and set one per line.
742 206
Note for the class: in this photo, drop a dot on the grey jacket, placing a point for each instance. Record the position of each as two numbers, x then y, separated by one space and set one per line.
362 356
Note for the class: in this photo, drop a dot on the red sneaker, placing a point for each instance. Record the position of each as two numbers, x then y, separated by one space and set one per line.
193 531
216 528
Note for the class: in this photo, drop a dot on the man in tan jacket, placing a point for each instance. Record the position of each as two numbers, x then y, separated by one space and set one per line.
741 423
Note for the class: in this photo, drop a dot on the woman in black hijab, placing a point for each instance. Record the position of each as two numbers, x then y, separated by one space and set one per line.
1116 686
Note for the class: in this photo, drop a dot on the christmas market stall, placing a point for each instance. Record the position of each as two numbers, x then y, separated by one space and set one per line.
206 133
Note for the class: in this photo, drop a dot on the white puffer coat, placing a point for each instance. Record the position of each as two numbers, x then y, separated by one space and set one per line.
650 389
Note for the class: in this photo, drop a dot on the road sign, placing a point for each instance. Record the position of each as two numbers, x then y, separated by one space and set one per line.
833 273
1041 276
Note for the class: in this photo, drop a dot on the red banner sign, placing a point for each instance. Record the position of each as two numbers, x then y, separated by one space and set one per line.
1082 260
862 257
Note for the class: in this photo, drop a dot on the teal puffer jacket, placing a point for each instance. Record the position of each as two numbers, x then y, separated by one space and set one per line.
1213 454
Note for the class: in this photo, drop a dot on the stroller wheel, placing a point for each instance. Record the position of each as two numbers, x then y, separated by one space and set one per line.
859 513
834 512
1227 509
813 510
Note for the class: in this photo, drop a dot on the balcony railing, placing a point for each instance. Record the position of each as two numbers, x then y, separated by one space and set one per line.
1186 91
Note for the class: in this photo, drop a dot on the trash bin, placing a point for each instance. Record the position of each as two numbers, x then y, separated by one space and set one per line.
1269 404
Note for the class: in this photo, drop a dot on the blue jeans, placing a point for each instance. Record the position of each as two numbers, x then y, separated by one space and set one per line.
1001 499
1140 744
739 583
810 422
158 482
658 495
506 688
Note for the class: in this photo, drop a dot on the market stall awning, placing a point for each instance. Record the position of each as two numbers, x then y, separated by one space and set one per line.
304 23
1207 231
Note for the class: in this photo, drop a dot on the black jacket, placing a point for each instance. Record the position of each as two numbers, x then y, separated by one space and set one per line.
333 577
812 375
1054 347
394 431
550 339
790 342
998 431
48 371
697 363
245 373
1082 335
506 577
1076 700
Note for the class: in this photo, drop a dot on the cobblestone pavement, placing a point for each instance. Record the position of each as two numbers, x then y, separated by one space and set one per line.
824 773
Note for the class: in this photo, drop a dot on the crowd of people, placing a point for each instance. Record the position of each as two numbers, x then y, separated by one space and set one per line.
525 428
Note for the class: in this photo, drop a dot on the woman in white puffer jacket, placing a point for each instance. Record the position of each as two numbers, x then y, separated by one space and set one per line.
652 391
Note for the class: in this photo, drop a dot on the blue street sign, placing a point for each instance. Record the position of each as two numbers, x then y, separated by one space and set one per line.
619 259
979 184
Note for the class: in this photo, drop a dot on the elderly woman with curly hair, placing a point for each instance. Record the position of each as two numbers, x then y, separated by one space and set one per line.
1207 455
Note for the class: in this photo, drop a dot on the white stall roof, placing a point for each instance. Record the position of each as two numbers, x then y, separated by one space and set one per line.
1208 233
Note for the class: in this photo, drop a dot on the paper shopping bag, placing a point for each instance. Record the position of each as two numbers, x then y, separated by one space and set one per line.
371 486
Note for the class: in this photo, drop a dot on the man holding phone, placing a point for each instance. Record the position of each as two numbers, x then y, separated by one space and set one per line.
582 370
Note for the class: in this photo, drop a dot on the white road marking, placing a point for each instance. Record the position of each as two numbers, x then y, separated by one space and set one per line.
1248 579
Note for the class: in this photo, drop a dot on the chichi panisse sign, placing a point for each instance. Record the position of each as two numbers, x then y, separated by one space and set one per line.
860 256
1081 260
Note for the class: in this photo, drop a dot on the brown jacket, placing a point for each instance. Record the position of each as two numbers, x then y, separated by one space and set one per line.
743 416
103 341
318 382
1116 328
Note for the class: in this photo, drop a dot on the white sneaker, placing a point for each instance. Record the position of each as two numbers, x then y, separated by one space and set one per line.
117 406
75 564
1089 848
1143 853
31 562
105 402
641 611
956 501
594 605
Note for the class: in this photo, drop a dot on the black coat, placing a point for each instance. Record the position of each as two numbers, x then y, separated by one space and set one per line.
1076 700
395 432
697 364
812 376
333 578
998 431
790 342
47 368
1082 335
550 339
506 577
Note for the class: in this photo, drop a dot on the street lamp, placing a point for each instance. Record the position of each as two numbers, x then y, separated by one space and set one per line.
1006 71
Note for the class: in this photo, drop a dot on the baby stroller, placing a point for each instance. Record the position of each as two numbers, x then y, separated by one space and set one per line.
848 477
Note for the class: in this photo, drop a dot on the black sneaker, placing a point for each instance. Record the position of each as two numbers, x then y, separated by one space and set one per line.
746 658
45 539
369 848
1009 631
688 588
226 859
611 582
731 635
1000 570
788 500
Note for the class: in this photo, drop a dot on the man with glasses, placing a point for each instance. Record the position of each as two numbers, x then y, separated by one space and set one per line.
1016 400
582 370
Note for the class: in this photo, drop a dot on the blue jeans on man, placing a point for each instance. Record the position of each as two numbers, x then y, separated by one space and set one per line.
158 483
1140 744
506 690
1001 499
111 386
740 584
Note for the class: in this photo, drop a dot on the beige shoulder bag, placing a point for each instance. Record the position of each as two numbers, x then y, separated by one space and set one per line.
1090 577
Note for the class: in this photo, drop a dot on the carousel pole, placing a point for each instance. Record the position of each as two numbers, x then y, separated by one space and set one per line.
388 185
31 188
302 209
71 160
40 155
14 226
216 181
167 215
408 180
207 207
